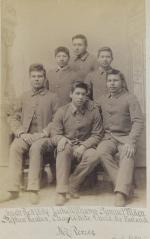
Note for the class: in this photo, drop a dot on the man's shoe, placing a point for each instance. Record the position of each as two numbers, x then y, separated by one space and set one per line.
120 200
74 195
60 199
6 196
34 197
73 191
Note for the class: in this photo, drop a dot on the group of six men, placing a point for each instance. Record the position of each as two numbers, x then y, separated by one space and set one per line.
84 110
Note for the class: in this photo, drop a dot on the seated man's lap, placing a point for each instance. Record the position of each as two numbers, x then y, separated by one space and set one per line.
108 146
19 144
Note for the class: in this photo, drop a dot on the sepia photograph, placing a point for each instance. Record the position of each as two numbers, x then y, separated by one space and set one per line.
73 104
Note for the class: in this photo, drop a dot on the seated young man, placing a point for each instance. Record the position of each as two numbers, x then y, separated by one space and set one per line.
34 111
61 78
123 123
77 131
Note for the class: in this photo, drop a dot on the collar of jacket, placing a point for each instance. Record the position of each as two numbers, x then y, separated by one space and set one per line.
42 91
103 71
121 92
74 110
67 67
89 105
82 57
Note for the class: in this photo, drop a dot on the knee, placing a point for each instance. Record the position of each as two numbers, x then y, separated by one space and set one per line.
103 155
90 156
17 146
65 156
67 150
90 153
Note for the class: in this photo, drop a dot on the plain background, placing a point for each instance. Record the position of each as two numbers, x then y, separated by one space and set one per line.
39 26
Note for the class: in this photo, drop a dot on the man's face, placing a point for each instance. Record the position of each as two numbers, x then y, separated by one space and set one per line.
79 46
62 59
114 83
105 59
79 97
37 79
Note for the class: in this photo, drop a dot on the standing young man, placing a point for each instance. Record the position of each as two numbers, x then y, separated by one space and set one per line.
82 61
33 113
123 123
78 130
61 78
97 79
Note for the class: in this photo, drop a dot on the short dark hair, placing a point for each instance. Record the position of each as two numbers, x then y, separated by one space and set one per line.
37 67
105 48
62 49
121 75
80 36
79 84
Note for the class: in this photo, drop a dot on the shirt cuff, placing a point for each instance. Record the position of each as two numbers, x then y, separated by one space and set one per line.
55 139
86 145
46 134
19 132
